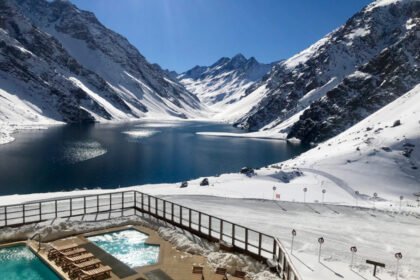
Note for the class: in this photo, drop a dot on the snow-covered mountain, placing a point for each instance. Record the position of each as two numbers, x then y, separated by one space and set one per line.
59 63
223 84
383 79
347 75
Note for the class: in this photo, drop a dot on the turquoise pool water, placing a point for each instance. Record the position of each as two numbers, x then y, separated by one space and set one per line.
128 246
19 262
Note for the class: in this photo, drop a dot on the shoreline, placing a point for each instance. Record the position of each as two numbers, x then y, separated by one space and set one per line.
254 135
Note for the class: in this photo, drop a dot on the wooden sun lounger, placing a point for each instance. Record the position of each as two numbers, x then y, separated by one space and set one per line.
80 258
55 251
69 254
197 270
64 248
73 253
197 273
95 273
220 274
239 275
76 268
69 261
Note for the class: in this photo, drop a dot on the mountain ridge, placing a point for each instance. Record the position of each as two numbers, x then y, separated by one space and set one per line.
74 69
223 83
308 76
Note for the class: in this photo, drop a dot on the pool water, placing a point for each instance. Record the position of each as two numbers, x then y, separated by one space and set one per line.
19 262
128 246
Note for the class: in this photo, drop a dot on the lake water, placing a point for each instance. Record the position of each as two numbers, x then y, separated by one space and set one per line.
109 156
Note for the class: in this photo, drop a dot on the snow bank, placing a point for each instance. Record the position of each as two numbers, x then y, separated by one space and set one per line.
189 243
62 228
183 241
5 134
259 135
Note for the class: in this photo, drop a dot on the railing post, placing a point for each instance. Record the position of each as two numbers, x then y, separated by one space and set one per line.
172 212
84 205
164 209
156 207
71 207
23 213
56 208
274 248
221 229
5 215
246 239
233 234
189 218
40 214
259 244
180 213
142 201
199 221
135 199
97 203
123 200
210 226
110 202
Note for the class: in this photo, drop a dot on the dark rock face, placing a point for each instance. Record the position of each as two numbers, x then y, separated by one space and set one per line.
306 78
385 78
204 182
56 54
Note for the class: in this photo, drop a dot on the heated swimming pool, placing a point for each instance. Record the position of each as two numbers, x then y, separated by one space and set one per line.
19 262
128 246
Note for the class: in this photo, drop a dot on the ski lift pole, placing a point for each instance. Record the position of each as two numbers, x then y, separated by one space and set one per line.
293 239
353 250
398 256
320 241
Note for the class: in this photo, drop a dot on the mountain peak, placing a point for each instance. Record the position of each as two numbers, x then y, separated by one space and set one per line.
225 80
239 57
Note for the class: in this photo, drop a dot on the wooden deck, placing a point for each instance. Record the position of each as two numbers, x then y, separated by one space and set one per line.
173 264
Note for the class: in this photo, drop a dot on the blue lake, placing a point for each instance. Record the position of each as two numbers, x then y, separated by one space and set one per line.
109 156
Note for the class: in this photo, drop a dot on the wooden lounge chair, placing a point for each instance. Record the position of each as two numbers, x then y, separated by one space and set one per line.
238 275
69 254
74 252
221 273
197 273
100 272
54 252
68 262
76 268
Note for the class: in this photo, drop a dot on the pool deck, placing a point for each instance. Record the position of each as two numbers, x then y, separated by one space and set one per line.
172 264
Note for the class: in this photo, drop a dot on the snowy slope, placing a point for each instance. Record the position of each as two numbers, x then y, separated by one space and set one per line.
222 85
60 64
387 76
294 84
376 155
372 156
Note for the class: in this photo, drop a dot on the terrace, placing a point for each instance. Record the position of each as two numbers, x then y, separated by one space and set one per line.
132 207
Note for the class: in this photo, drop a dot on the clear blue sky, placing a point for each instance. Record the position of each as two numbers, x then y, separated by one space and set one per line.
179 34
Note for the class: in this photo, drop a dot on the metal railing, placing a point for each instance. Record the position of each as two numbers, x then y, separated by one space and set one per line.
231 235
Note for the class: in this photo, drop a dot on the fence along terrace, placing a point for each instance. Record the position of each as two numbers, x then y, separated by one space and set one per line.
231 236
